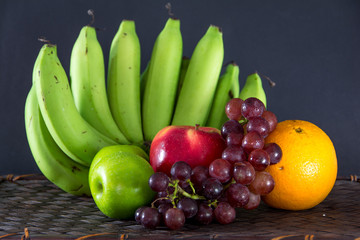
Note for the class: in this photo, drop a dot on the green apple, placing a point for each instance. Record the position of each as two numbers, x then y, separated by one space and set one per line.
118 180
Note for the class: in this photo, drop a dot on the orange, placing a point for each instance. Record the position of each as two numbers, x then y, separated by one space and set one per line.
307 171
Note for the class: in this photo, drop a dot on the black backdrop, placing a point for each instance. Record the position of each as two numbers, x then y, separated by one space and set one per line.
311 49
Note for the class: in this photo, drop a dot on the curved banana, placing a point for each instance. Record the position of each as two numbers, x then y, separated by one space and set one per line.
222 96
124 81
87 74
184 66
162 79
52 162
197 93
77 138
235 89
253 88
143 79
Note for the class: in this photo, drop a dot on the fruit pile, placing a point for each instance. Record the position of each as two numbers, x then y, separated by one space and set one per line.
236 180
68 122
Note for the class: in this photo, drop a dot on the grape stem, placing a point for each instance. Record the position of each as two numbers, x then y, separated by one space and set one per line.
192 196
162 198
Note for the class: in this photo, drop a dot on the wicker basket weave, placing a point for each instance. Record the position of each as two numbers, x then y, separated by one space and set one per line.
33 207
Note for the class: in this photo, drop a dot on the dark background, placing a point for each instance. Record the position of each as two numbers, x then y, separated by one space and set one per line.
311 49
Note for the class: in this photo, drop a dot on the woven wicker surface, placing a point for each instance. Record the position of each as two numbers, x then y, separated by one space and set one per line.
47 212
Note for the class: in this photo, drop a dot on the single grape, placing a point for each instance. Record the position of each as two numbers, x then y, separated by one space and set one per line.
274 151
254 201
237 195
233 109
150 218
234 154
189 207
260 159
198 176
221 170
259 125
159 182
174 218
138 214
243 173
231 126
252 107
212 188
180 170
205 214
251 141
224 213
234 139
162 208
271 119
263 183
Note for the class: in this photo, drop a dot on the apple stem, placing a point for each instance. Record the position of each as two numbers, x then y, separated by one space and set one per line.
197 126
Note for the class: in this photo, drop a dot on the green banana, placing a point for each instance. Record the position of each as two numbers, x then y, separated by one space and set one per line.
222 96
162 79
52 162
197 93
235 89
87 74
184 66
253 88
143 79
124 81
77 138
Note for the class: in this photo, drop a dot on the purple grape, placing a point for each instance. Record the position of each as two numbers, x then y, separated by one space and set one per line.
138 214
271 119
259 159
174 218
159 182
233 109
198 176
224 213
251 141
274 151
237 195
212 188
231 126
150 218
234 139
259 125
234 154
189 207
205 214
252 107
244 173
162 208
263 183
254 201
221 170
180 170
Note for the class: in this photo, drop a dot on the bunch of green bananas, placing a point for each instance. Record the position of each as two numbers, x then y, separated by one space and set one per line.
68 123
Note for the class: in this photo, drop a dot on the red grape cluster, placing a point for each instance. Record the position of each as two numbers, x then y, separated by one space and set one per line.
236 180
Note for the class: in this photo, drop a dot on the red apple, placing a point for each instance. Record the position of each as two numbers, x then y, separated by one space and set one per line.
194 145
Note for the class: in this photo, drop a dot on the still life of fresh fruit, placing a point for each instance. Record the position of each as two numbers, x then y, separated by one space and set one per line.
180 140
